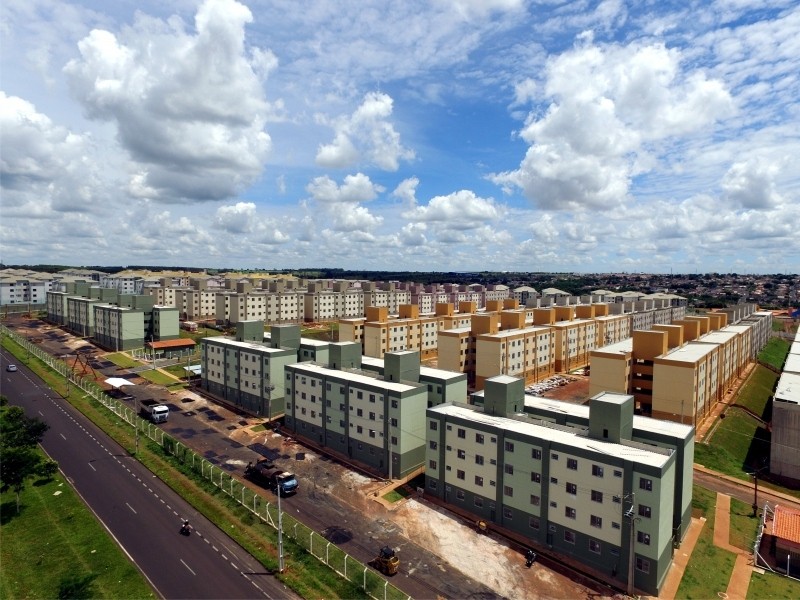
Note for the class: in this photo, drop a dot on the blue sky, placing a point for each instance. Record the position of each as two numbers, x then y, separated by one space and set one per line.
442 135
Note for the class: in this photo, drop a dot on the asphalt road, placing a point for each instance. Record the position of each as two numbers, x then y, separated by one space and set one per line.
139 510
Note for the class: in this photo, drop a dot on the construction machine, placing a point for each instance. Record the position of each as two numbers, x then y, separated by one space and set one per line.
387 561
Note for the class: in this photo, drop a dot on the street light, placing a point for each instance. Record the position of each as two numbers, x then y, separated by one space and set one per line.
754 475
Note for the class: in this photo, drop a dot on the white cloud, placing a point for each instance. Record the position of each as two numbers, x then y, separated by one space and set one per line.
751 184
610 106
238 218
356 188
188 107
366 134
406 191
459 210
43 164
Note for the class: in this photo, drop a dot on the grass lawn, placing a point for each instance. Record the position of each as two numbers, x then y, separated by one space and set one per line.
157 377
774 353
55 536
744 527
709 569
756 392
395 495
122 360
770 585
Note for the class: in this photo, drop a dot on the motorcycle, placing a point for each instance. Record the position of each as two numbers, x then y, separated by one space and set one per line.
530 558
186 529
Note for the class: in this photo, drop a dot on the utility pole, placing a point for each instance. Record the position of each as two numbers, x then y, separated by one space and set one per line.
280 532
630 514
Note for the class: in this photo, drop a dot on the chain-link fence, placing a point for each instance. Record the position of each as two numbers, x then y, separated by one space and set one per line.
314 543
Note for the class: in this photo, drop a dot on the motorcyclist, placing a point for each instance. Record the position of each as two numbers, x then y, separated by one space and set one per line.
530 556
186 528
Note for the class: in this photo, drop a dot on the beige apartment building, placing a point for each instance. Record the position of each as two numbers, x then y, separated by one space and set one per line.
680 371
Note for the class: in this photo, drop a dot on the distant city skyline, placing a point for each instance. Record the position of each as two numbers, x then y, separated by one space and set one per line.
455 135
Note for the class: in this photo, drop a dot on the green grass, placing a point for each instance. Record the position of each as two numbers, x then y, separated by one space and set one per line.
772 586
744 526
258 428
774 353
157 377
122 360
395 495
55 536
709 569
756 392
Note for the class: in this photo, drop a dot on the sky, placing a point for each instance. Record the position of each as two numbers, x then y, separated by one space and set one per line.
441 135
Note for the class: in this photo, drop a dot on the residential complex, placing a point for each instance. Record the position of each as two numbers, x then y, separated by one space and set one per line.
680 371
371 412
784 456
112 320
588 491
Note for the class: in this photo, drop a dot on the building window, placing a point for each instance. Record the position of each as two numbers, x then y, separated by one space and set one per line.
479 438
643 565
460 494
536 477
508 491
359 412
478 459
393 422
535 500
462 433
643 538
372 397
359 429
371 433
597 470
478 501
394 440
614 525
569 536
460 474
616 499
572 463
461 454
597 496
617 473
569 512
536 454
509 469
644 511
434 425
432 464
595 521
554 456
572 488
646 484
507 514
554 480
533 523
394 403
434 445
594 546
479 480
433 484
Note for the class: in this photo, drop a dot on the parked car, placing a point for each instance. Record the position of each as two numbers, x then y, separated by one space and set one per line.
11 368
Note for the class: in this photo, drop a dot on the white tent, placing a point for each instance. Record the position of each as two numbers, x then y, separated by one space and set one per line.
118 382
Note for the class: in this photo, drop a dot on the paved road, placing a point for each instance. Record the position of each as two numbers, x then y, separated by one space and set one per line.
741 491
138 509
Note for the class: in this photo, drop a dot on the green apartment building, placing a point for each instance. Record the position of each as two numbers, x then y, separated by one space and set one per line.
587 492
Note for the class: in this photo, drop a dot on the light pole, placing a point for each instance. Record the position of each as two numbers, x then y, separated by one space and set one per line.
754 475
631 550
280 532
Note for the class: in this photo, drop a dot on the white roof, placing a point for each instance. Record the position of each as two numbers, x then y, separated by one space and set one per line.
788 388
570 437
354 377
691 352
792 364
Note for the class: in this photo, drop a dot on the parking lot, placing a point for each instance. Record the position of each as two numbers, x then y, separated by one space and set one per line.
450 554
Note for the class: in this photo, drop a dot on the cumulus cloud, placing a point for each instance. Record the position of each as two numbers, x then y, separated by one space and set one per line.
366 134
356 188
189 108
459 210
406 191
238 218
751 184
609 107
42 165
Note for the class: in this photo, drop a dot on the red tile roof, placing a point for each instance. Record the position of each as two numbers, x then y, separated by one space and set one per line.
179 343
786 524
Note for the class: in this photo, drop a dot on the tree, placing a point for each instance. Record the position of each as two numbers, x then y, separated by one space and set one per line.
19 458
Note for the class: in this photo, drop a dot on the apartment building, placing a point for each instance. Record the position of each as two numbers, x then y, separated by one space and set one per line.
525 295
247 373
21 288
591 494
376 421
679 371
409 331
784 454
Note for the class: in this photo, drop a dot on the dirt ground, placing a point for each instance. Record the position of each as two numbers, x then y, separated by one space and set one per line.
576 392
